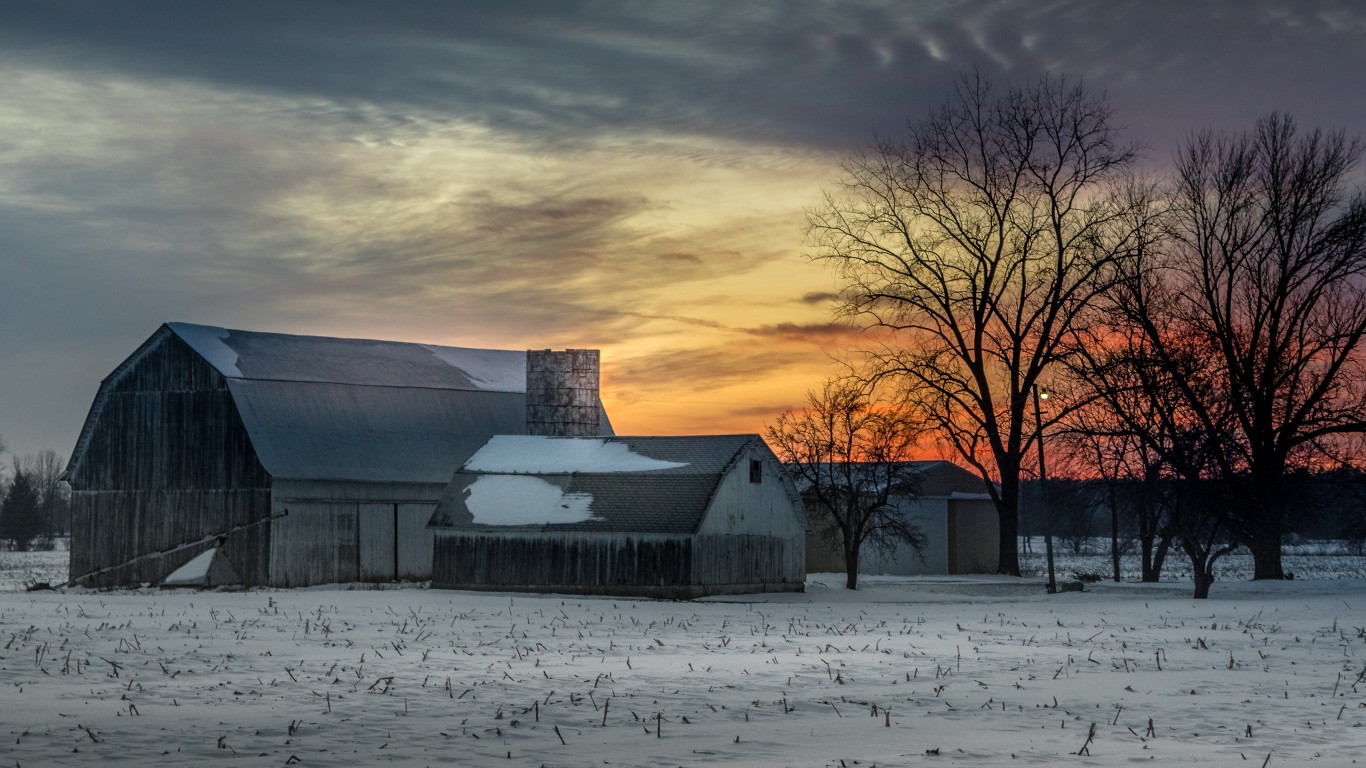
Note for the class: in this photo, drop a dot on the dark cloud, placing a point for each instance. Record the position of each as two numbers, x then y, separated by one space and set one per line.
503 173
823 333
824 74
820 297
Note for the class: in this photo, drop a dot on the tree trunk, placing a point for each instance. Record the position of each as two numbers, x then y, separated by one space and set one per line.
1114 530
1204 579
851 554
1264 532
1266 551
1008 512
1164 545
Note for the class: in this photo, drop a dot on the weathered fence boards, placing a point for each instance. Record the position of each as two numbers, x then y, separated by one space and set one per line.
654 566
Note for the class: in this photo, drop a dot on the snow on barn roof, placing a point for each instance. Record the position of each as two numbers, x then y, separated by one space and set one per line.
539 455
608 484
284 357
324 408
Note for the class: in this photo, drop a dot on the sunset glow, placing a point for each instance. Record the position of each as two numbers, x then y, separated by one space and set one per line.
632 178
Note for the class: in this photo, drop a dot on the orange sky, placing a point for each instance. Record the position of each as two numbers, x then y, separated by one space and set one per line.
625 176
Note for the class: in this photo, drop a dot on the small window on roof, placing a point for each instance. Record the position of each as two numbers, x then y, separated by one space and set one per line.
756 471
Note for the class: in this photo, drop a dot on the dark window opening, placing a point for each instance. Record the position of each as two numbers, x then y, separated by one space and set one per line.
756 471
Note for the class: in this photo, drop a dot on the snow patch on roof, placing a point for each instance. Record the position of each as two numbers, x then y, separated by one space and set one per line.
537 455
520 500
208 341
491 370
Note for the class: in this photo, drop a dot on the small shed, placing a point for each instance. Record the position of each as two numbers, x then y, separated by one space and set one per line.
953 511
673 517
303 459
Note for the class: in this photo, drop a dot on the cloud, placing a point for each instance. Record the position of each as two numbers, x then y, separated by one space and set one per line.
821 333
824 75
820 297
618 174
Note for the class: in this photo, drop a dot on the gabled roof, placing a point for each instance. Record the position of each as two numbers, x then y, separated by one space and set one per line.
352 409
283 357
933 479
608 484
945 479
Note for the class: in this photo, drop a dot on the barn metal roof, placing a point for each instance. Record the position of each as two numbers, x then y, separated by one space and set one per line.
354 409
324 430
283 357
671 500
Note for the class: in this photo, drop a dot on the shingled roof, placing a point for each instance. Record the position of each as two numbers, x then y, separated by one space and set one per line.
607 484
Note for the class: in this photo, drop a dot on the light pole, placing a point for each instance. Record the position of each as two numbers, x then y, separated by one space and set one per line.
1041 393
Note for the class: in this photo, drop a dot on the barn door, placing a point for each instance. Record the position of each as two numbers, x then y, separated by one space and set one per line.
376 532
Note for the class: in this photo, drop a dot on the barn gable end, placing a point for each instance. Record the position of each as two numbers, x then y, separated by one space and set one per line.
164 467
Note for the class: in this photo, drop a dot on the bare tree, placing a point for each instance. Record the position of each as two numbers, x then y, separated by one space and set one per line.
1137 366
849 455
976 244
1267 271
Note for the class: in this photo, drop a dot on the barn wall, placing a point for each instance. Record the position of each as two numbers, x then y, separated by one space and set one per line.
978 536
314 543
588 563
676 567
370 531
166 464
415 541
931 516
741 563
768 508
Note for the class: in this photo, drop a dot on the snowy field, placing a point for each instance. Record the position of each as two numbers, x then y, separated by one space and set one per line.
1322 559
919 671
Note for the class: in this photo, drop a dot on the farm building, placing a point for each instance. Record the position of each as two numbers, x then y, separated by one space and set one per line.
301 459
675 517
952 510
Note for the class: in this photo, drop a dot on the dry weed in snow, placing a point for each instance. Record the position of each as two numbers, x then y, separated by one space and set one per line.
981 671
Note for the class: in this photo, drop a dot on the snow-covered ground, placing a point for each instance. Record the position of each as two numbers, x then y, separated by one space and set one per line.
906 671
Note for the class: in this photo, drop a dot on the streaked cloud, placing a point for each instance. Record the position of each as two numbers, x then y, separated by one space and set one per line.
629 175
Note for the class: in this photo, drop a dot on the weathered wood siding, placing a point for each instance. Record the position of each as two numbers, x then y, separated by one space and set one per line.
415 541
376 542
559 562
167 464
314 543
745 563
613 564
340 540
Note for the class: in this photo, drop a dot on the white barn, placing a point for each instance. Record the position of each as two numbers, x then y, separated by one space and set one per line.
675 517
953 511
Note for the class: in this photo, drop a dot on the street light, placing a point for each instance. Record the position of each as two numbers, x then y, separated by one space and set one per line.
1041 393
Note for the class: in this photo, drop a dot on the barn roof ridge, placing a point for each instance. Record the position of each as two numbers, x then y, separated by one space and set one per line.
175 325
270 356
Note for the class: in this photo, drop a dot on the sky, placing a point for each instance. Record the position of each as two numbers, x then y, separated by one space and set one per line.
627 176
